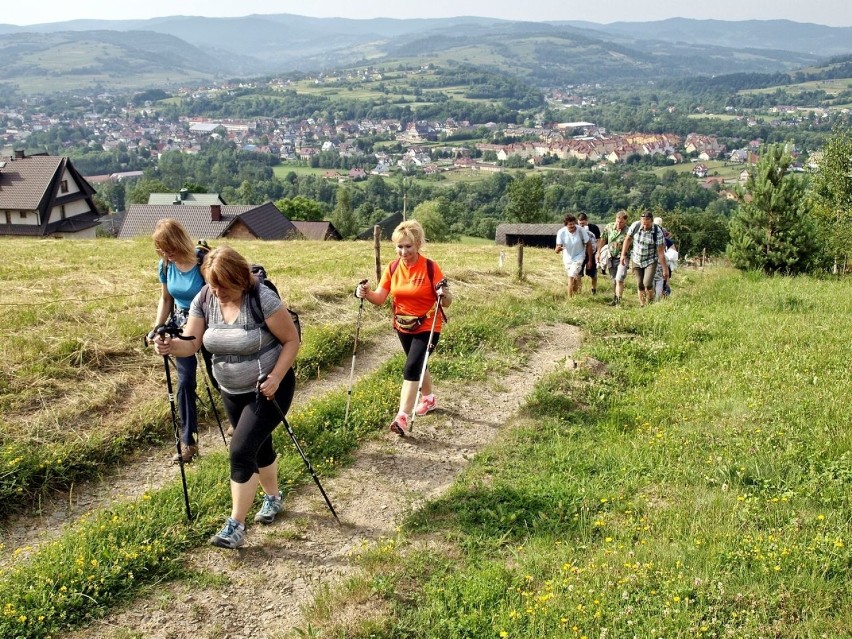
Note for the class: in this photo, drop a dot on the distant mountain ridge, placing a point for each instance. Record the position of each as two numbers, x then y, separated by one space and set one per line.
786 35
179 49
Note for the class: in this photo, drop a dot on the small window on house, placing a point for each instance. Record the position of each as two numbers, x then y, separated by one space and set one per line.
64 186
23 214
62 212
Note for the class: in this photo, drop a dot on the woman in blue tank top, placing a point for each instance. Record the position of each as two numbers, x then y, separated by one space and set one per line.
181 280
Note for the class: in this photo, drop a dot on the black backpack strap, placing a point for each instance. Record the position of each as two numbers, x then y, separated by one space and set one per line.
204 296
255 306
393 266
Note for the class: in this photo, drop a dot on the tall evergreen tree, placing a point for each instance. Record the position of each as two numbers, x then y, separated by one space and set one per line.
773 231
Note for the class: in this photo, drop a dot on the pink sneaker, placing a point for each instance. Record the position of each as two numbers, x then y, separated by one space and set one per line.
400 424
426 405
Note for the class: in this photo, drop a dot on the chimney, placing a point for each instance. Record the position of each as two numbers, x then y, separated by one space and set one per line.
19 154
183 194
215 212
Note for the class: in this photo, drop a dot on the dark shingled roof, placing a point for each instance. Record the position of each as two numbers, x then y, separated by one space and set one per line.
317 230
388 225
265 221
505 231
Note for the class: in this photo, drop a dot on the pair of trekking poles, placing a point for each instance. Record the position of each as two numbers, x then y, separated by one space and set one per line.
173 331
429 348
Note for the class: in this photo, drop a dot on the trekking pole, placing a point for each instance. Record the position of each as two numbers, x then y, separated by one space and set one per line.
299 448
429 348
203 364
354 352
172 331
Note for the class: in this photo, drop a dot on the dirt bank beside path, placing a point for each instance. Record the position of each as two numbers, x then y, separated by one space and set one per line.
260 590
150 468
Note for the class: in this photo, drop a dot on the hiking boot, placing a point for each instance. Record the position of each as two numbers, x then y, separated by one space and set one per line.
232 535
400 424
188 452
271 507
426 405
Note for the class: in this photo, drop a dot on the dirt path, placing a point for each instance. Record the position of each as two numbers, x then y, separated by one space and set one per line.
266 584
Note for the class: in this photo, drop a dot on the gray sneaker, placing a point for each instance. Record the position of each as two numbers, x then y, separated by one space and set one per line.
271 507
232 535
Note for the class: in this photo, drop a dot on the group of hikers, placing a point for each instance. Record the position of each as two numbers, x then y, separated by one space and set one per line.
249 343
645 246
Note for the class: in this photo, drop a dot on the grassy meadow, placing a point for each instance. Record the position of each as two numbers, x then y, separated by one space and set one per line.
698 488
695 484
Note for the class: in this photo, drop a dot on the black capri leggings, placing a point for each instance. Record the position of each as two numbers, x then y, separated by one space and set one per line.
254 418
414 346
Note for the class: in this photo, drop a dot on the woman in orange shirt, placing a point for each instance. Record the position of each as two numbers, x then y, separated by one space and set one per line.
415 283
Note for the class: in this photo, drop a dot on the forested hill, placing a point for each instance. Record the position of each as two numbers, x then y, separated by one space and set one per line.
180 48
783 35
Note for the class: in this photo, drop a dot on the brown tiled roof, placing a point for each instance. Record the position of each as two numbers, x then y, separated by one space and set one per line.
24 183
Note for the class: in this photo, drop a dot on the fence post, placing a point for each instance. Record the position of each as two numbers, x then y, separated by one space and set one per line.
377 248
520 260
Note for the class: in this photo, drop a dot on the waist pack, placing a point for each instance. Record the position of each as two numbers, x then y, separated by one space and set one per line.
408 323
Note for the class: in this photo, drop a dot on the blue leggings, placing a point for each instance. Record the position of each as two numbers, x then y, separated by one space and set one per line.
254 418
187 392
186 389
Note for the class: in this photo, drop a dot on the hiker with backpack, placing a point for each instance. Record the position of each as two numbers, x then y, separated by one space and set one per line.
590 264
419 292
611 241
254 342
647 241
180 276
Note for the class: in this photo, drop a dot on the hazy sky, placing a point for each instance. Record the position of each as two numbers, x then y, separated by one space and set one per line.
830 12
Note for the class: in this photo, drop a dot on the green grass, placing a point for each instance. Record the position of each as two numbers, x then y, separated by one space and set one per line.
280 171
89 325
698 489
832 87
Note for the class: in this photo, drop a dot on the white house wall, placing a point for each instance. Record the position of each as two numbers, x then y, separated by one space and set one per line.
31 218
73 187
71 209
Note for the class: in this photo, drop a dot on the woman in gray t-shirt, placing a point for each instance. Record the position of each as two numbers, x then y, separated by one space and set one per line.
244 353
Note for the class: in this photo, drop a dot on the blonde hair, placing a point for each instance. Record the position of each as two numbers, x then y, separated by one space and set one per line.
170 237
409 230
225 268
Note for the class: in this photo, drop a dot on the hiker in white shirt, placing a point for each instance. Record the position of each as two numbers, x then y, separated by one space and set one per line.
573 242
